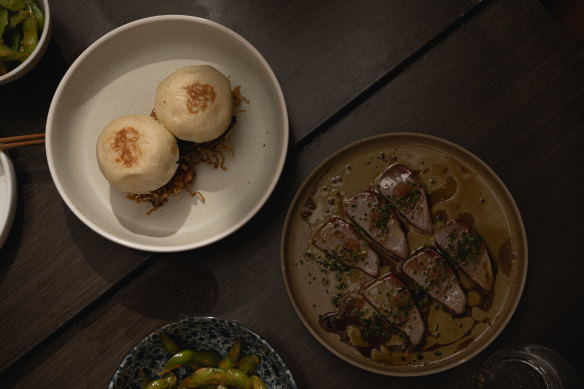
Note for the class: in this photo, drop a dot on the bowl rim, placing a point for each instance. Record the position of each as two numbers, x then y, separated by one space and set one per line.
7 218
120 30
24 67
203 320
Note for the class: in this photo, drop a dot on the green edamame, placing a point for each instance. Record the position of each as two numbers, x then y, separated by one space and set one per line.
168 344
231 358
13 5
30 37
3 20
219 376
21 23
248 363
37 12
257 383
12 39
8 54
16 18
159 383
171 380
235 373
192 359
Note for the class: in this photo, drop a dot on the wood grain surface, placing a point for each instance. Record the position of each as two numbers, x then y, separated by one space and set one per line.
74 255
502 79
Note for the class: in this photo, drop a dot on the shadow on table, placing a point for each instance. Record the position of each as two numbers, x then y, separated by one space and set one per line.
170 288
10 247
174 287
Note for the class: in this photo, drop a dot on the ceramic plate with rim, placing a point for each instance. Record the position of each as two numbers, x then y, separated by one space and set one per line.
459 185
7 195
201 333
118 75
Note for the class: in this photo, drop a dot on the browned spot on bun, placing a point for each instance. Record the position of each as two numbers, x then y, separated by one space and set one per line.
200 95
125 143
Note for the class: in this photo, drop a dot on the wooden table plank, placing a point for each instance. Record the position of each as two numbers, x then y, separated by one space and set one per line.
508 86
80 266
51 266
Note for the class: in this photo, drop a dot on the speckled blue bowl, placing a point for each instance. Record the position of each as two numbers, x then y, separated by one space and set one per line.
201 333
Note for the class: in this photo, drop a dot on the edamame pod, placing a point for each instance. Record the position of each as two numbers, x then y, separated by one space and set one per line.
192 359
171 380
219 376
12 38
37 12
30 37
13 5
16 18
257 383
168 344
231 358
248 363
6 53
3 21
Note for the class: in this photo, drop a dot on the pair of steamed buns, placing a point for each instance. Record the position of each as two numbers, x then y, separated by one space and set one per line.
139 154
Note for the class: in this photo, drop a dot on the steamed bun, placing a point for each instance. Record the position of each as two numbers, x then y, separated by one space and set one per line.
137 154
195 103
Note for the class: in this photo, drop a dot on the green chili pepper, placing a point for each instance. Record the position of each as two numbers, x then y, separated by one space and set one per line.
37 12
30 37
212 375
192 359
6 53
3 21
13 5
168 344
248 363
230 359
257 383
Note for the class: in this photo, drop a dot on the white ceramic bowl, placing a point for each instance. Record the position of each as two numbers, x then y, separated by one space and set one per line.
118 75
7 195
38 52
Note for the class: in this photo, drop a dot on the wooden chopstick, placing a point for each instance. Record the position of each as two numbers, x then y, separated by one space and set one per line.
21 140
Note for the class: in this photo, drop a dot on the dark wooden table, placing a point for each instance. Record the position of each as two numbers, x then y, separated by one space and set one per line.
502 79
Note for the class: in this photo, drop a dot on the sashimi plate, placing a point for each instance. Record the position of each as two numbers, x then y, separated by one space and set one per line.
459 185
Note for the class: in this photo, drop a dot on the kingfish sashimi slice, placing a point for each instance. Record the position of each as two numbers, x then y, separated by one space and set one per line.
465 246
407 195
373 213
393 300
433 273
339 240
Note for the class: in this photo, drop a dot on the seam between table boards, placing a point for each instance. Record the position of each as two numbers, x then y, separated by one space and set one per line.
390 75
